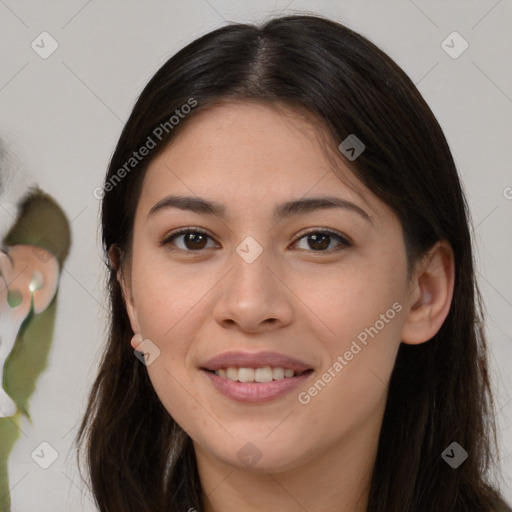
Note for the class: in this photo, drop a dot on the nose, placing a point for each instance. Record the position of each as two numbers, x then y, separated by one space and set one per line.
254 296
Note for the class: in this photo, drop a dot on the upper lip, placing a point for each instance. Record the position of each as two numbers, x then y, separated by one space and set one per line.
255 360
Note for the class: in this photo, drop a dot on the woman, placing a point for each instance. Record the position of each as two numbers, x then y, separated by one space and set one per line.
289 254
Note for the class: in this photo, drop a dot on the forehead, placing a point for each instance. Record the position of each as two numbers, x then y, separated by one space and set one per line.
251 154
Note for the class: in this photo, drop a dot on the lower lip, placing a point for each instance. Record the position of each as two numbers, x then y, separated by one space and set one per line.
256 392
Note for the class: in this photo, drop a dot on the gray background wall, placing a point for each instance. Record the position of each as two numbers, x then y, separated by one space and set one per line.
62 116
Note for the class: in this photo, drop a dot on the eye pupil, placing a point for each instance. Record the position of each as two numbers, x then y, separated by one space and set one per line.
194 238
323 237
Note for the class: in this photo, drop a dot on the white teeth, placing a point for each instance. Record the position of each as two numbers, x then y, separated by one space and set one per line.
232 373
246 374
278 373
263 374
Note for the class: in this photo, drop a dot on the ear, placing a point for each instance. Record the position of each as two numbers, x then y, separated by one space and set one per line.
122 270
430 294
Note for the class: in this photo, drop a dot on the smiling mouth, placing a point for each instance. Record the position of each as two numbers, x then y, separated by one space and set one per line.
257 375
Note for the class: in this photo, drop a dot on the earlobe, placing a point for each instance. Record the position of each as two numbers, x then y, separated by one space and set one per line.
430 295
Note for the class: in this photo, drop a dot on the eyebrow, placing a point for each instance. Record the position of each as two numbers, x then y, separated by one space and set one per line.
283 210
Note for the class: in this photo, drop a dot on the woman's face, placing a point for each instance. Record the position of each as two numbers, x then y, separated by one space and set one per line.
263 287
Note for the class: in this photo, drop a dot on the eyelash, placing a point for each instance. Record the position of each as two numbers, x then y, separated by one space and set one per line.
344 242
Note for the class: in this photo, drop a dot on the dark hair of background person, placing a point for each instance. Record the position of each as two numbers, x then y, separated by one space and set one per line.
138 458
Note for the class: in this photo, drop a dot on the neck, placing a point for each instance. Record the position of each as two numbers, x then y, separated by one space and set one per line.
336 478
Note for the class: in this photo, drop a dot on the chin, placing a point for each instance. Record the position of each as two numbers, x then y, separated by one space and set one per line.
258 456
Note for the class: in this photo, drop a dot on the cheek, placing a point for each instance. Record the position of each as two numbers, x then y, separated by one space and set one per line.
364 315
165 314
170 304
358 303
166 294
351 389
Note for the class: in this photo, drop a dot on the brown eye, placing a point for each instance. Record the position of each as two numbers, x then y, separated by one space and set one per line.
320 240
191 240
194 240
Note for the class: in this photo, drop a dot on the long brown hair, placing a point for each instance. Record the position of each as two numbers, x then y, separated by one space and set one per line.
138 457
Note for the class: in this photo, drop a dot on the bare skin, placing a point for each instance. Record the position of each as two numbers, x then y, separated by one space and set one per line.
308 299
